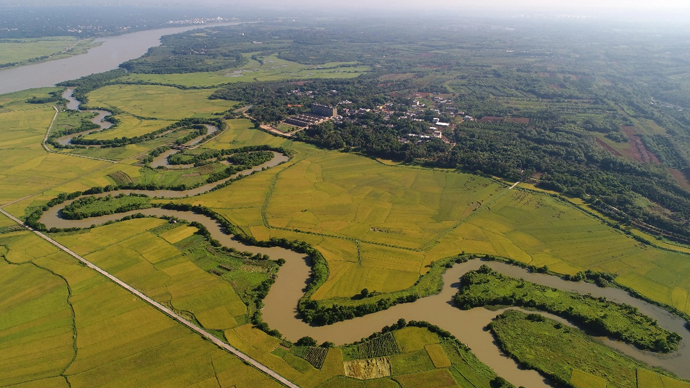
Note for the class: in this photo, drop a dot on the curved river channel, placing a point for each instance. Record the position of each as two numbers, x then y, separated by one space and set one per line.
280 310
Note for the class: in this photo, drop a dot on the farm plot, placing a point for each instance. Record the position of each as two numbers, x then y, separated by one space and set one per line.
130 126
133 252
120 340
159 102
26 167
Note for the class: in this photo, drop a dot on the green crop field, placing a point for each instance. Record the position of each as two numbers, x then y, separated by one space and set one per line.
562 352
272 69
159 102
19 51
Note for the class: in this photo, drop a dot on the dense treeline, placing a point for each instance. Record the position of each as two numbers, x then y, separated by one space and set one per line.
84 85
87 207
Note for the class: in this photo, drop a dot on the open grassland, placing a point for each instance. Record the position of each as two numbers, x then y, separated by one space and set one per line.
19 51
562 352
26 168
120 340
272 69
130 126
159 102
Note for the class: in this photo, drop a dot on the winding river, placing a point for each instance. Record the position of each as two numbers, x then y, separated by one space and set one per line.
280 310
99 119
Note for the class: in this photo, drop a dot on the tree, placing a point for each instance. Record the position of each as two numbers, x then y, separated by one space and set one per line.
364 293
306 341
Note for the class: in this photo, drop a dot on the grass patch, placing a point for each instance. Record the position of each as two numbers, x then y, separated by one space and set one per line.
556 350
486 287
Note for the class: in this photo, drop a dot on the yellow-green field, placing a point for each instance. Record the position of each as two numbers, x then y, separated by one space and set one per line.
130 126
64 325
272 69
159 102
132 252
25 167
22 50
404 218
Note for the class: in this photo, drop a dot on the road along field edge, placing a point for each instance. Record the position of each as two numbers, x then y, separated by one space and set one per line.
160 307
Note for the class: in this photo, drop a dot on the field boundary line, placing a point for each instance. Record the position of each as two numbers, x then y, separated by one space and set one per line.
203 333
45 146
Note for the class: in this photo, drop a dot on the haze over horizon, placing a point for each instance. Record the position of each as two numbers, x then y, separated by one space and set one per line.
500 6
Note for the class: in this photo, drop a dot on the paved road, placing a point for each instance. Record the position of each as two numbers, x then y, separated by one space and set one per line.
160 307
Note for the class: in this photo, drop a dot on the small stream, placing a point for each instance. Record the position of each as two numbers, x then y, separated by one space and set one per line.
99 119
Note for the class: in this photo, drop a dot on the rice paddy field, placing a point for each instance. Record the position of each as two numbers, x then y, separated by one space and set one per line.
66 326
379 225
130 126
158 102
25 166
272 69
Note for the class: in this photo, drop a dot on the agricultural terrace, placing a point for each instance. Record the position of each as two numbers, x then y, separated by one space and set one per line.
64 325
271 68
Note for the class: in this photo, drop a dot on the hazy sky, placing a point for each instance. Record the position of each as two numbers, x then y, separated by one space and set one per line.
449 4
514 4
641 8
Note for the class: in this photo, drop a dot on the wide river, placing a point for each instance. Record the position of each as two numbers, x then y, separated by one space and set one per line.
280 311
112 52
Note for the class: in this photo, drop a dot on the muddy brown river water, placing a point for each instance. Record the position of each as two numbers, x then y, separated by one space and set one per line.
280 311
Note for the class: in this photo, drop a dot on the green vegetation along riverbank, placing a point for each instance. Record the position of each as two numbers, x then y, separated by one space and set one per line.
486 287
565 355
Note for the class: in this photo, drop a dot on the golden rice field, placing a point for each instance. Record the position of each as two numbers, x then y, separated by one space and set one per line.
159 102
25 168
378 225
67 326
131 251
381 226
